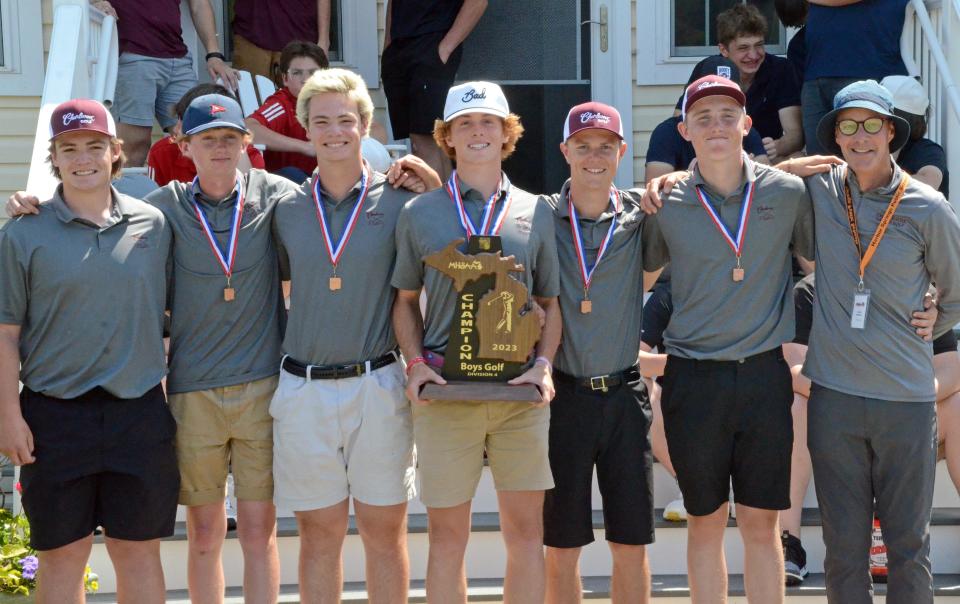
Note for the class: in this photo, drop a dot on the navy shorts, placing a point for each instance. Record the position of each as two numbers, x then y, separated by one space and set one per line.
100 461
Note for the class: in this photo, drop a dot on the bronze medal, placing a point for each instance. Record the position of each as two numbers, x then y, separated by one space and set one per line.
335 283
586 307
738 274
229 294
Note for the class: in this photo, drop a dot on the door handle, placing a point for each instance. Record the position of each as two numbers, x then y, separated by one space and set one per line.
604 39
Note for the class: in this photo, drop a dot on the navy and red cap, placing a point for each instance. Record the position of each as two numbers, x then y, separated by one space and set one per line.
592 116
213 111
81 114
711 85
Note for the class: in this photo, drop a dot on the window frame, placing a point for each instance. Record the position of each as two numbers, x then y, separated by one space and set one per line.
22 69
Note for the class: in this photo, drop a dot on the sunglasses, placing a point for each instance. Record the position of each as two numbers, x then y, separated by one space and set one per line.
870 126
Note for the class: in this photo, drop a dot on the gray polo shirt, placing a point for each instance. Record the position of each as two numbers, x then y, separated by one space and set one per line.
89 300
430 222
608 338
885 360
213 342
352 324
715 317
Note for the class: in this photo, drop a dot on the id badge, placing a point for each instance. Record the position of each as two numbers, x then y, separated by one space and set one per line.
861 304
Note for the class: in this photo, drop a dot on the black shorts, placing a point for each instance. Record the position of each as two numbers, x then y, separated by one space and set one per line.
610 430
945 343
416 82
730 419
100 461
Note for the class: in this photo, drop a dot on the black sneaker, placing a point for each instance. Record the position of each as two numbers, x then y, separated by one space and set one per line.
794 559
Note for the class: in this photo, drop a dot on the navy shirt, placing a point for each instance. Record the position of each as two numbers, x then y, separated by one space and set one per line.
775 86
797 52
860 40
924 152
667 146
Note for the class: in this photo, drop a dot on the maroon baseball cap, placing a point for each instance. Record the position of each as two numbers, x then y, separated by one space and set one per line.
81 114
592 115
710 85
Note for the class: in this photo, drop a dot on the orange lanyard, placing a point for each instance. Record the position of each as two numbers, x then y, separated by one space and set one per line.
866 257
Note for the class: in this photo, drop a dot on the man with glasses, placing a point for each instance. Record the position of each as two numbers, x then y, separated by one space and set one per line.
275 124
882 238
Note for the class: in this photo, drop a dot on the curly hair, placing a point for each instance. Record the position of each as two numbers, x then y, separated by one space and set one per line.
512 128
741 20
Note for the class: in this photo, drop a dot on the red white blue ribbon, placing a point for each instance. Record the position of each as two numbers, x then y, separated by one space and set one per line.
735 243
586 272
489 225
225 258
336 251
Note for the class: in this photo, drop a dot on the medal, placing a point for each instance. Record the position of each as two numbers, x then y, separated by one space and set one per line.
735 243
226 259
861 298
488 225
586 273
335 251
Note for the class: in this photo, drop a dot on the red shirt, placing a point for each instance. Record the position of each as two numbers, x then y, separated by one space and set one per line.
165 162
279 113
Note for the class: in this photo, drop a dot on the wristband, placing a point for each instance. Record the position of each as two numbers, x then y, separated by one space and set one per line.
215 55
545 361
415 361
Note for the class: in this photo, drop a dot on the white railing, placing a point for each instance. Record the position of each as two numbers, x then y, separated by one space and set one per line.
925 45
82 63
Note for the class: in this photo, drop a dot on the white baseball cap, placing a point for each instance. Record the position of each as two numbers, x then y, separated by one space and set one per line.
908 94
475 97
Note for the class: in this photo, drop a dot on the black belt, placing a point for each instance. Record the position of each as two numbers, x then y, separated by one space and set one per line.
773 353
601 383
335 372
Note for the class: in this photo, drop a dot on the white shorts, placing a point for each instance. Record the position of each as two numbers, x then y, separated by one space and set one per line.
338 438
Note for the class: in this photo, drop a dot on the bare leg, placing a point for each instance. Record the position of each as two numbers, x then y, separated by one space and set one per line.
321 542
60 575
706 563
630 583
800 468
948 424
563 576
763 555
136 143
658 438
257 531
384 533
206 528
139 573
426 149
449 530
521 522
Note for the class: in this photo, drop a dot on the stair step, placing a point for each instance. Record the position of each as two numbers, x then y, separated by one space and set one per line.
667 588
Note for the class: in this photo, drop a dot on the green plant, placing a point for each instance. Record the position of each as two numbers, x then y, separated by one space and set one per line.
19 564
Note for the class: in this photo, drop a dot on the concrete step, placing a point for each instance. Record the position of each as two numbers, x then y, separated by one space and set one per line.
485 552
672 589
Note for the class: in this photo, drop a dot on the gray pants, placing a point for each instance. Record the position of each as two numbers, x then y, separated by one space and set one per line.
864 449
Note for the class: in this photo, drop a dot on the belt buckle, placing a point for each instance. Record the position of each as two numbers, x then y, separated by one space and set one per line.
599 383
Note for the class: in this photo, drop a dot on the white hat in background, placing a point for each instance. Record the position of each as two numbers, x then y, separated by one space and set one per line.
908 94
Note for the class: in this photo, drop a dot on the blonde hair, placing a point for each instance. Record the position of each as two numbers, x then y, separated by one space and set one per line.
341 81
512 128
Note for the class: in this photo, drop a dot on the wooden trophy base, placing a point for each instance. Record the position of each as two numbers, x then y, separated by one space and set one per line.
481 391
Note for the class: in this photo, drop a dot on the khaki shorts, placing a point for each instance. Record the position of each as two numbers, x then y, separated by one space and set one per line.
451 437
333 439
247 56
220 428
